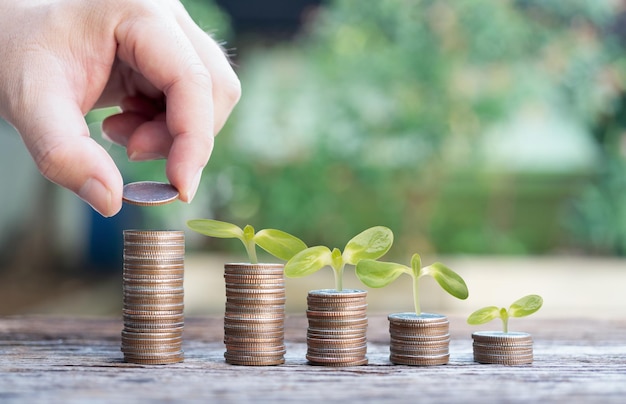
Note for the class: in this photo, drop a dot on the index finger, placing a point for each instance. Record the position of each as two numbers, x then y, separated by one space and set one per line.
156 47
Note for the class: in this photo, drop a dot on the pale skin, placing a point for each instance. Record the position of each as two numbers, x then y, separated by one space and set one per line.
59 59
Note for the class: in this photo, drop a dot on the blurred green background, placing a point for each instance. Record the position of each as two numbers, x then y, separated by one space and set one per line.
467 127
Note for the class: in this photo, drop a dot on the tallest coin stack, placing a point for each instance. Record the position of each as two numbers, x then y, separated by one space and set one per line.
153 296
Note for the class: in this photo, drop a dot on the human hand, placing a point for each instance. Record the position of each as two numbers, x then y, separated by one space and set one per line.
61 58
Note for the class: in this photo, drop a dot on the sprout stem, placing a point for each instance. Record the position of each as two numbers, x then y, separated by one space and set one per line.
416 300
504 315
339 278
251 250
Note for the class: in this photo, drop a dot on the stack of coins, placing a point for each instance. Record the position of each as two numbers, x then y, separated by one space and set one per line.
422 340
153 296
512 348
254 320
337 330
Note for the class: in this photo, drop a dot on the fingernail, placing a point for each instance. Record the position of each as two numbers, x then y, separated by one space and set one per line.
97 196
194 186
106 137
113 137
139 156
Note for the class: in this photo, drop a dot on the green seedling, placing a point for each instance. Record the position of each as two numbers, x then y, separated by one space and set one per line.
377 274
276 242
523 307
372 243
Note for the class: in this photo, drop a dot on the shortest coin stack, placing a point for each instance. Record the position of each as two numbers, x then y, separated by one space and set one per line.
254 321
153 296
511 348
422 340
337 330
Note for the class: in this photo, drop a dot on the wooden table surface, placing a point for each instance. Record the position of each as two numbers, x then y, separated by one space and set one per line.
69 360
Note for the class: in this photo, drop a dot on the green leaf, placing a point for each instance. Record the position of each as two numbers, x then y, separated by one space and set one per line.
525 306
449 280
484 315
376 274
279 243
215 228
372 243
308 261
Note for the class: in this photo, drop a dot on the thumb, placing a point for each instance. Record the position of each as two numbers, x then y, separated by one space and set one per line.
57 137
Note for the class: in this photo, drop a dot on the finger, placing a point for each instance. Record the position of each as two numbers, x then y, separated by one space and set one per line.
150 141
162 53
144 139
136 110
119 127
226 86
148 107
58 139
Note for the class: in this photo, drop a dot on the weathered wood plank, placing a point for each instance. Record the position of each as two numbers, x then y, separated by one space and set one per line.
51 359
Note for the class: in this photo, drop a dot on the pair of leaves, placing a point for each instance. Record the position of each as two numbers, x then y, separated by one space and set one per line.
372 243
523 307
280 244
377 274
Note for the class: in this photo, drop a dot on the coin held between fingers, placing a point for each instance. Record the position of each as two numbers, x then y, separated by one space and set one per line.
149 193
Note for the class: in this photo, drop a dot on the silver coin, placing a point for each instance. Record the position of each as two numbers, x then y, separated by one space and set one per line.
153 356
253 361
524 359
502 338
149 193
410 317
254 339
356 360
339 363
254 269
151 335
332 293
418 360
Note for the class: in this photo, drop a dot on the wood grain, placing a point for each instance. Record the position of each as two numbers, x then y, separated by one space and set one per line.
71 360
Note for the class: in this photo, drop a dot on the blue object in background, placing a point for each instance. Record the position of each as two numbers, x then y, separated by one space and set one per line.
105 240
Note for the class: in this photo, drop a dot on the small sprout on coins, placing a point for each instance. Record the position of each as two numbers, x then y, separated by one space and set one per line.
523 307
377 274
276 242
372 243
